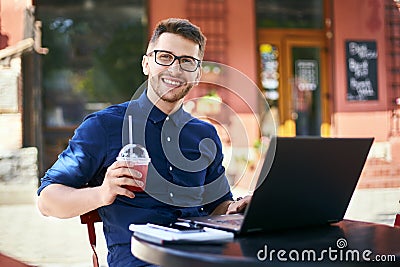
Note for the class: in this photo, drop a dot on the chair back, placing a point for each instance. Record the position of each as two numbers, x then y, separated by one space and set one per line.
90 219
397 220
11 262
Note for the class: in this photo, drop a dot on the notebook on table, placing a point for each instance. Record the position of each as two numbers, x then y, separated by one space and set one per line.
304 181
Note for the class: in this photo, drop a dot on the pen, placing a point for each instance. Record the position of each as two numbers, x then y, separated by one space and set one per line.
177 228
156 226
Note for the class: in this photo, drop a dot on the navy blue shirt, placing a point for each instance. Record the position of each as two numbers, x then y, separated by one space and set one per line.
185 177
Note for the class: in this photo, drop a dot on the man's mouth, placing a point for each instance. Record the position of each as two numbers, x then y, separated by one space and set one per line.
172 82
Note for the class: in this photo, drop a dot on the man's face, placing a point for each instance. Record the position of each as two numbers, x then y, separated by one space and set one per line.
171 83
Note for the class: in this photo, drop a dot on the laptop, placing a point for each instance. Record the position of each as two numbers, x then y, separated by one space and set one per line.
304 181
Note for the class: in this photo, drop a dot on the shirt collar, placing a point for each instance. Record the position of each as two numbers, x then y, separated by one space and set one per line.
179 117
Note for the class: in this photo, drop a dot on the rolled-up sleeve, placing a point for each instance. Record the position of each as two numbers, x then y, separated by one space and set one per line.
83 157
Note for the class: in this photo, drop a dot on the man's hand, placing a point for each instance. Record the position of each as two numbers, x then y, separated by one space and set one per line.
239 205
231 207
117 176
62 201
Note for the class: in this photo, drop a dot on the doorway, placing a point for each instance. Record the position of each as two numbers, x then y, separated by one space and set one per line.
293 75
293 44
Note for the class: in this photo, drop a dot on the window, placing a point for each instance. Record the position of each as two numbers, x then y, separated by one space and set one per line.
94 60
95 56
290 14
393 48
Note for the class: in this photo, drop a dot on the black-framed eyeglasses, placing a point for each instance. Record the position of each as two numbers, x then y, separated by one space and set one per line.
166 58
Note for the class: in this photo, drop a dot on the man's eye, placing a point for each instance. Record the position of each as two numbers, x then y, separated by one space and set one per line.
188 61
165 57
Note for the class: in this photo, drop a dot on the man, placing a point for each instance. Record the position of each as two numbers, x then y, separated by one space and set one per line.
87 177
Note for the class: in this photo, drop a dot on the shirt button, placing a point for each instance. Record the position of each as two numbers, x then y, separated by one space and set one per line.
202 209
168 139
170 168
171 194
167 118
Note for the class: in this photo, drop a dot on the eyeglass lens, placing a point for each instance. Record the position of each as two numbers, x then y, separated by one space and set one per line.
166 59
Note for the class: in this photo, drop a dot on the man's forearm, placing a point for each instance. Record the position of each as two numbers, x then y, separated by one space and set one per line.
61 201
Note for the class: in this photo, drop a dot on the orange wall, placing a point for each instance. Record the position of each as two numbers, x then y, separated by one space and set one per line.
161 9
241 52
242 46
241 33
360 124
358 20
241 30
12 19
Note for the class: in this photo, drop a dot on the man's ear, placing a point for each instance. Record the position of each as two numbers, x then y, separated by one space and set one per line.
145 65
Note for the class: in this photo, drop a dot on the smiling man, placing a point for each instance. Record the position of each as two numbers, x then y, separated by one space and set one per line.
171 86
86 175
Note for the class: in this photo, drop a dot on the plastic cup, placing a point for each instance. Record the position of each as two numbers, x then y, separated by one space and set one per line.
137 158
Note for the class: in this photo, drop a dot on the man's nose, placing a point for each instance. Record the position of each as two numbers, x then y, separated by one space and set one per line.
175 67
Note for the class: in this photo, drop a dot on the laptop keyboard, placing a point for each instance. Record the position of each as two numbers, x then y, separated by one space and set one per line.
235 222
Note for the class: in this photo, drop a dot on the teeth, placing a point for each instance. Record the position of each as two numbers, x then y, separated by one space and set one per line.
171 82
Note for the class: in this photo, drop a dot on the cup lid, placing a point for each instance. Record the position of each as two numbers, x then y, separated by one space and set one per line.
134 152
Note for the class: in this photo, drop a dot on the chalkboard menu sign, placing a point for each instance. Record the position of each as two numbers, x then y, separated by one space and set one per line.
361 61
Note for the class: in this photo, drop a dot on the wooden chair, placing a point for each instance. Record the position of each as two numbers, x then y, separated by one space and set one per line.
90 219
7 261
397 220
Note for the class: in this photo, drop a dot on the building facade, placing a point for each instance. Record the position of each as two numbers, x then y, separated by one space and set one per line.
326 68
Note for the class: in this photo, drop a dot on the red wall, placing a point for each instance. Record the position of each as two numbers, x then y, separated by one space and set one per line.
241 47
161 9
358 20
241 30
12 21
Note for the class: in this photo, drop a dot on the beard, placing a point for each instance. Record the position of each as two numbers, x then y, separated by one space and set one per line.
169 94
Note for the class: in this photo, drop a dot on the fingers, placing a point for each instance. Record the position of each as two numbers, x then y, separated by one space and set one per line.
232 208
117 187
117 177
114 186
243 203
125 192
123 181
239 205
126 172
120 169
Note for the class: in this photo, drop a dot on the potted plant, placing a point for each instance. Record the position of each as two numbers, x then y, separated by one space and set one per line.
209 103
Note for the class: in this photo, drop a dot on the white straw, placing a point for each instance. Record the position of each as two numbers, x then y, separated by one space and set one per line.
130 129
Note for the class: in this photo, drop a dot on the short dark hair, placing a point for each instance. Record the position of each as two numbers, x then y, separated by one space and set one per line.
182 27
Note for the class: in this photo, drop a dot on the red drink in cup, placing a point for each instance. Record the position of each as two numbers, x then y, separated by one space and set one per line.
136 158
